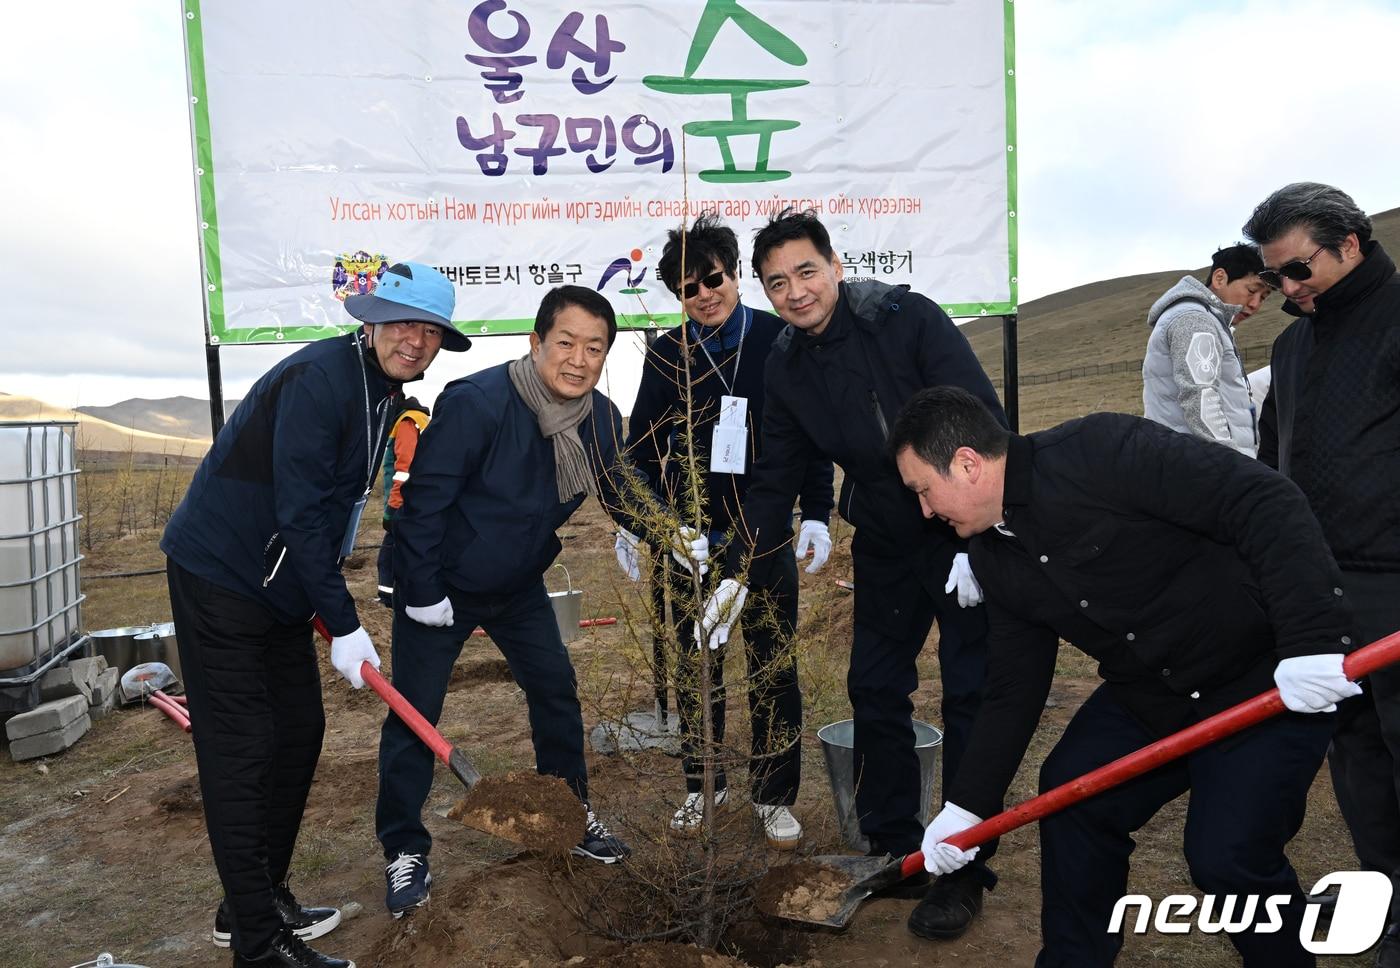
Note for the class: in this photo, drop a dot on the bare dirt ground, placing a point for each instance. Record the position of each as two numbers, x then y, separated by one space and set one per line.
104 848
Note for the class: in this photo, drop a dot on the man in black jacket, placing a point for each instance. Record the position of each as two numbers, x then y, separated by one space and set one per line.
1331 422
716 357
254 551
1197 578
852 354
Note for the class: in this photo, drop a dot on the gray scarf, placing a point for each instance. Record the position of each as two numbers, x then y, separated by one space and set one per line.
558 421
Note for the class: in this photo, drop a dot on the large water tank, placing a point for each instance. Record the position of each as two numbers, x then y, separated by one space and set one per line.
40 597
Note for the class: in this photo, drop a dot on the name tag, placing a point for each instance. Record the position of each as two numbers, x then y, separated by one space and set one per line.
347 544
728 449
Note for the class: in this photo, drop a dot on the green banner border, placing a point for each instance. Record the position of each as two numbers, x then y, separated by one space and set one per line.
218 333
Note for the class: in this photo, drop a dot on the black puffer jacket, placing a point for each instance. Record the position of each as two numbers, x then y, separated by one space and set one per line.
1331 420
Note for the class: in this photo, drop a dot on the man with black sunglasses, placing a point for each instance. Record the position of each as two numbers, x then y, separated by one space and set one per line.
715 357
1331 422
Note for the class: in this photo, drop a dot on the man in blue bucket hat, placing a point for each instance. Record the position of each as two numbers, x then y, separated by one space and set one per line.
254 551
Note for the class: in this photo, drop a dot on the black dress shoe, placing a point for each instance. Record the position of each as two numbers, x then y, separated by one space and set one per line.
1388 954
949 906
289 951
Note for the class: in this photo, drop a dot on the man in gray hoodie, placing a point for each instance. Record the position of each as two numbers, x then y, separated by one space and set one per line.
1193 379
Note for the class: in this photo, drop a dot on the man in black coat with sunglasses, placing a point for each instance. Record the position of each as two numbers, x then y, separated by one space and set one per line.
1331 422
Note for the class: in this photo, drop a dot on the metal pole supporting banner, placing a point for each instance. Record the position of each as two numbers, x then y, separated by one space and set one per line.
216 389
1009 372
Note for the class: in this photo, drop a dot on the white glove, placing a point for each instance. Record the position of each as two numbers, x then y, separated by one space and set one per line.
816 538
962 578
721 612
689 545
438 615
348 652
1313 683
944 858
626 550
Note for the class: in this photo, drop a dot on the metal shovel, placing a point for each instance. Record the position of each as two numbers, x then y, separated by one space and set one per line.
461 767
872 874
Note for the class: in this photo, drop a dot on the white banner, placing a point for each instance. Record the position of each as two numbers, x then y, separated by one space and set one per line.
518 144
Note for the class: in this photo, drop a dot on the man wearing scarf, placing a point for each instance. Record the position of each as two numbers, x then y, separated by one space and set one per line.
511 453
718 354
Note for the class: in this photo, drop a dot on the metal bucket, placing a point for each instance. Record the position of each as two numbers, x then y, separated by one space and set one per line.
160 645
568 608
118 646
838 748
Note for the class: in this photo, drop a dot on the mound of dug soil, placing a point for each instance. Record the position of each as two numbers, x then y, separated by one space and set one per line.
805 891
540 812
656 954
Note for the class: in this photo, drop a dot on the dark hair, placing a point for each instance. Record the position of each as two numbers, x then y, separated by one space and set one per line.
560 297
708 242
1327 214
1238 261
938 420
790 226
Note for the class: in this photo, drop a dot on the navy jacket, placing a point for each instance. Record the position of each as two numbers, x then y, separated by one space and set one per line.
480 511
658 416
1187 569
1331 420
269 505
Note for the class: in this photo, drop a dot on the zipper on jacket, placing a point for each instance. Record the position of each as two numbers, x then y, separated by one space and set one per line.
879 415
277 564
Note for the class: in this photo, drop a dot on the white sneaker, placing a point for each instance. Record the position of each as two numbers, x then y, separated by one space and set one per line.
688 818
779 826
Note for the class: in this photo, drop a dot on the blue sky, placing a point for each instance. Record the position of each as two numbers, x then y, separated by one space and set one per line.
1147 132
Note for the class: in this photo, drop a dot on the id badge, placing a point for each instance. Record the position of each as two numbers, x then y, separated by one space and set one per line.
728 453
347 544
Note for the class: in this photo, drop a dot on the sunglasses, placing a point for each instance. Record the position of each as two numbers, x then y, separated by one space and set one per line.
1298 270
712 282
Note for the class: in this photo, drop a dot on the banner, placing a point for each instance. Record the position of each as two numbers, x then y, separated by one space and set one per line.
520 144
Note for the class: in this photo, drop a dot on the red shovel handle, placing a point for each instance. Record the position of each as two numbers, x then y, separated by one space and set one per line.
1360 663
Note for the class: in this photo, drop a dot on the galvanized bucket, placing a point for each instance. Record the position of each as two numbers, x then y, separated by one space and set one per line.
838 748
568 608
118 646
159 644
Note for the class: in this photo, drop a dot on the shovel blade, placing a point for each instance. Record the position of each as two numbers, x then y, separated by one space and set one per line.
865 875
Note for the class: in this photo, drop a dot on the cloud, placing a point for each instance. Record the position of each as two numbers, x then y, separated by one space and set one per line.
1145 139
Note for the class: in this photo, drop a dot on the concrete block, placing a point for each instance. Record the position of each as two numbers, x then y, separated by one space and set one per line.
54 741
74 679
97 663
99 710
105 687
46 718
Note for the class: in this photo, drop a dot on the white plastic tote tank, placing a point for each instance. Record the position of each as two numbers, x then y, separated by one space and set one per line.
40 597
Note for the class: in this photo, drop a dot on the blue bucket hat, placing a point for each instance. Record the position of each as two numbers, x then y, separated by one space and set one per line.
411 292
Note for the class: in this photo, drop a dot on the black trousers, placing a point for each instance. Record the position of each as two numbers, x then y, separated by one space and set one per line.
1365 754
255 705
1248 796
524 629
880 683
775 698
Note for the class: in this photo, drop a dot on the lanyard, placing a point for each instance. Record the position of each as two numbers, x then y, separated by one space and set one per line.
714 367
372 440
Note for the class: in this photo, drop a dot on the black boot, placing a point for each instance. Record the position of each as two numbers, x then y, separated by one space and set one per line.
949 907
289 951
1388 954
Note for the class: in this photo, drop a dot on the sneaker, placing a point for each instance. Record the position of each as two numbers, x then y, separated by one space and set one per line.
600 844
307 923
948 908
289 951
779 826
408 881
688 818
